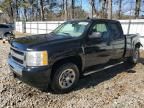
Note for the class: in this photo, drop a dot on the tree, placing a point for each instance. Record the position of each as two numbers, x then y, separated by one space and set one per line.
94 10
25 5
66 9
120 9
103 8
72 8
7 7
109 9
42 10
137 8
33 6
17 9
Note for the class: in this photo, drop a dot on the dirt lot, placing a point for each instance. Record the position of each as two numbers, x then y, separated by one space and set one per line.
119 87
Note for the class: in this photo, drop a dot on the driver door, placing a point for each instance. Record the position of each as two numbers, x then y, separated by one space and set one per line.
98 48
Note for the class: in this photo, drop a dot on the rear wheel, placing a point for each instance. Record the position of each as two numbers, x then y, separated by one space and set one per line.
135 56
65 78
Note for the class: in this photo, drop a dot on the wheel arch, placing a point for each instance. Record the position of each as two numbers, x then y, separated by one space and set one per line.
72 59
7 33
138 45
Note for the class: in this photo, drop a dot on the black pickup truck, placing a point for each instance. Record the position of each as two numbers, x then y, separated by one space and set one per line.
74 49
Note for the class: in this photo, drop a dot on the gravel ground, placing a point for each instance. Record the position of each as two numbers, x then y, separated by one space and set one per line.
119 87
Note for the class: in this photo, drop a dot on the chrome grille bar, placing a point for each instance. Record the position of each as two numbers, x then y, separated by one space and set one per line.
18 56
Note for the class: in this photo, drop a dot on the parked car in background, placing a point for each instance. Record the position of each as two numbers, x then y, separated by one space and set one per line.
11 25
6 32
75 48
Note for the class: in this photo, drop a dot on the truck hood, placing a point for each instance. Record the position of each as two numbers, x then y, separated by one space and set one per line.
31 42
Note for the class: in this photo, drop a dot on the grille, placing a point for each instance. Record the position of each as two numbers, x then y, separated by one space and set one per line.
17 55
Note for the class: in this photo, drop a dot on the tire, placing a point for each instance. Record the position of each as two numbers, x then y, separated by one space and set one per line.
65 78
9 37
135 56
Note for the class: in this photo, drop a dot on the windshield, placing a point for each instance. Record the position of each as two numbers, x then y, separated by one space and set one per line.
73 29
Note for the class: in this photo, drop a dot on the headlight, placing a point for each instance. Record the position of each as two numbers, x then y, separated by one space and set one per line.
37 58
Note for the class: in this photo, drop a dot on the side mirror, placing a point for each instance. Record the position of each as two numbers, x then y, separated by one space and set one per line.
95 35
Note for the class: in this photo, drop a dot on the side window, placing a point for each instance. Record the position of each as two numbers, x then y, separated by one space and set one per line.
102 29
3 26
115 31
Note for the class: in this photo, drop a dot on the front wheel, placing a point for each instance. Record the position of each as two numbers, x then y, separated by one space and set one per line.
65 78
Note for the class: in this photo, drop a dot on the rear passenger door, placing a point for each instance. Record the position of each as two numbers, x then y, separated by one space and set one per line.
118 40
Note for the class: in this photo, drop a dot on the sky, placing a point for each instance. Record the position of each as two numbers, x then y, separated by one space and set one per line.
127 6
86 5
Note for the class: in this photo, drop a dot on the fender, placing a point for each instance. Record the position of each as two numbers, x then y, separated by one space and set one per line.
75 52
136 41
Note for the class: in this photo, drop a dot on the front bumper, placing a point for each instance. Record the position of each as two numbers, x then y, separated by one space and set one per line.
38 77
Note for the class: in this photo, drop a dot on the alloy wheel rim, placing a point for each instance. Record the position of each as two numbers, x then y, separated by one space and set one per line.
67 78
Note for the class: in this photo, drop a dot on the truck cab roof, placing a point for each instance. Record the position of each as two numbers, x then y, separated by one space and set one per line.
94 19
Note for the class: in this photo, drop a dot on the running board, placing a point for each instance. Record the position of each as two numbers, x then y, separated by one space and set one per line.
91 72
